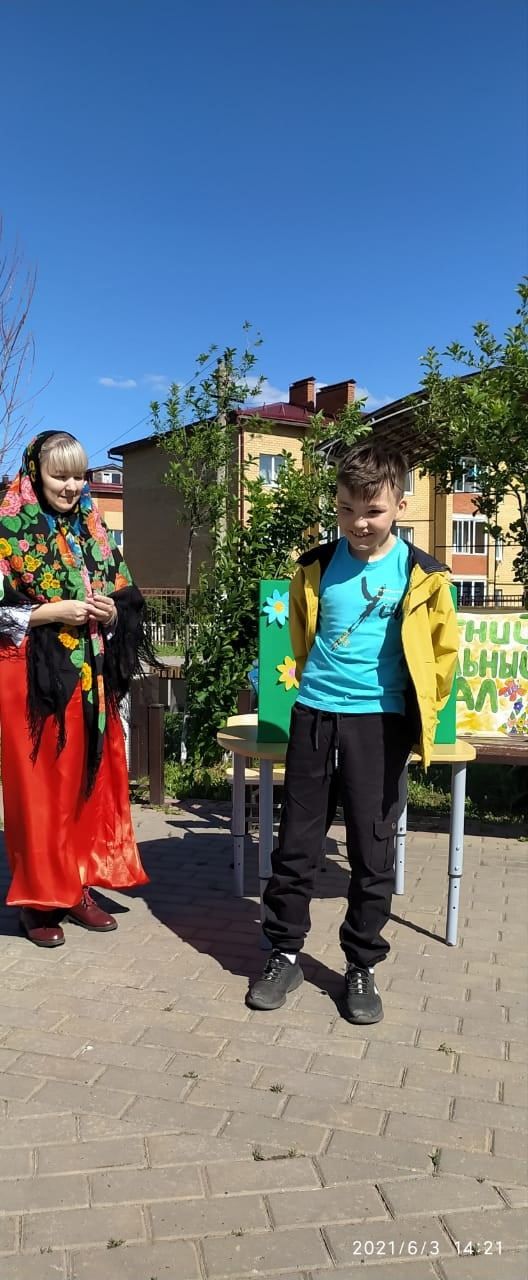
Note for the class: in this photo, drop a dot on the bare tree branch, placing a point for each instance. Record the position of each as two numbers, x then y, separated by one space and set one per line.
17 350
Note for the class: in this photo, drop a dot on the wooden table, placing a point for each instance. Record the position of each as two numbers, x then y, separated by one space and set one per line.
500 749
239 738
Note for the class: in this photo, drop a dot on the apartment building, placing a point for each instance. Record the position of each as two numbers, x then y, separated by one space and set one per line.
156 534
446 525
106 484
449 525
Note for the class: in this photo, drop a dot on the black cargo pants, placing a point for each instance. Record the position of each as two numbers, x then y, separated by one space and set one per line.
368 754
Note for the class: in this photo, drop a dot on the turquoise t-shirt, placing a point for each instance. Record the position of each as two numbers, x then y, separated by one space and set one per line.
356 664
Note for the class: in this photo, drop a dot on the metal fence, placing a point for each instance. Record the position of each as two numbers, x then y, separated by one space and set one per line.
166 615
166 612
496 600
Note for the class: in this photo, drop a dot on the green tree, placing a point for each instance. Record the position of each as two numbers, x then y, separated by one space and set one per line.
198 430
281 522
480 411
198 427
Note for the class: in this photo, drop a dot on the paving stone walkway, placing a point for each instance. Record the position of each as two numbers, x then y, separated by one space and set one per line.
153 1128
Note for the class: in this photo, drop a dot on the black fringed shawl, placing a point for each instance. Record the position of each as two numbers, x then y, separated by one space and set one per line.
44 557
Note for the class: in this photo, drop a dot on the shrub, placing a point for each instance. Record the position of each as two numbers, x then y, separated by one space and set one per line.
190 781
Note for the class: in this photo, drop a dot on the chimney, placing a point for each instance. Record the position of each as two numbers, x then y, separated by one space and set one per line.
302 393
335 396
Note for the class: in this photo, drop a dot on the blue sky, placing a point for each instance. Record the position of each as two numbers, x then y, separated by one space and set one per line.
348 175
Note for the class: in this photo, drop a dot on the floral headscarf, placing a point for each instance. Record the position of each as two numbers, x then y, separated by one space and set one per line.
46 556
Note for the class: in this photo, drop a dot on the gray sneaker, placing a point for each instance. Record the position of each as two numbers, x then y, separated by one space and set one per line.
279 977
362 1000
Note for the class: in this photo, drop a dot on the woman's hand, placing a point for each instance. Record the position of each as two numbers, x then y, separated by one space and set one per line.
71 613
106 612
76 613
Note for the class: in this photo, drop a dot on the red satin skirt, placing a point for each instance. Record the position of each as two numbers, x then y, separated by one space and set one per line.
57 840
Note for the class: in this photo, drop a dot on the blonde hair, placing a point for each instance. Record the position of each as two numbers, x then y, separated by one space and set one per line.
65 453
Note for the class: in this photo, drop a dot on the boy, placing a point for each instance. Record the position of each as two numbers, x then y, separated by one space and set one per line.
375 639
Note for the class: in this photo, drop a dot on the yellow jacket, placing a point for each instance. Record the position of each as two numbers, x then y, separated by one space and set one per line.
429 633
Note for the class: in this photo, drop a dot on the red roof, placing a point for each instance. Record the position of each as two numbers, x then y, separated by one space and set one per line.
277 412
112 490
280 411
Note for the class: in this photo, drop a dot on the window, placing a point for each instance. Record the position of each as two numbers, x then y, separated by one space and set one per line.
117 535
409 482
269 467
469 536
330 535
470 591
468 482
405 532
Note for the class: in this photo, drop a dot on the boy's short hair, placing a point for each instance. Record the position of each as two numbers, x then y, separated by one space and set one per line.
371 465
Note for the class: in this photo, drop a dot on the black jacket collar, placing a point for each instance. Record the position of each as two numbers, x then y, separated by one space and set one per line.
325 550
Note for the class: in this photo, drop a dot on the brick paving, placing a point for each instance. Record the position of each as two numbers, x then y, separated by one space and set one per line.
153 1128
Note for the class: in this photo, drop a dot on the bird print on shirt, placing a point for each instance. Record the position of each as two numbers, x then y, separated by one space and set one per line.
391 609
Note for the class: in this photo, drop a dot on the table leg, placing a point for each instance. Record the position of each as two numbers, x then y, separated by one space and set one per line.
238 822
401 832
456 849
265 832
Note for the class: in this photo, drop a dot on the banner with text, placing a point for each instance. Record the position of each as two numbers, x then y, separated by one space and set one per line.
492 684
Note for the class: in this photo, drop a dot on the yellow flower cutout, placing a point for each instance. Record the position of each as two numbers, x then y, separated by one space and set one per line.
287 673
5 548
86 677
69 640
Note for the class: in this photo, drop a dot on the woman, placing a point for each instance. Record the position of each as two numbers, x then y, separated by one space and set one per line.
71 637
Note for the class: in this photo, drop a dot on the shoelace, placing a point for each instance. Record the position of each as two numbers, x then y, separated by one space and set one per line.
358 980
274 966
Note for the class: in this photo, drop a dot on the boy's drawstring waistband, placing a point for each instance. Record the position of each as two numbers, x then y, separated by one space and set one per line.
336 738
315 730
336 717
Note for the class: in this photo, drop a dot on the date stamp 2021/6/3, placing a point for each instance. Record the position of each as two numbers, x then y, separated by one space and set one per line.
421 1249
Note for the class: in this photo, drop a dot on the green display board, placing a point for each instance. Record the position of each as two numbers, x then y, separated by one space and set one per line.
446 727
277 685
